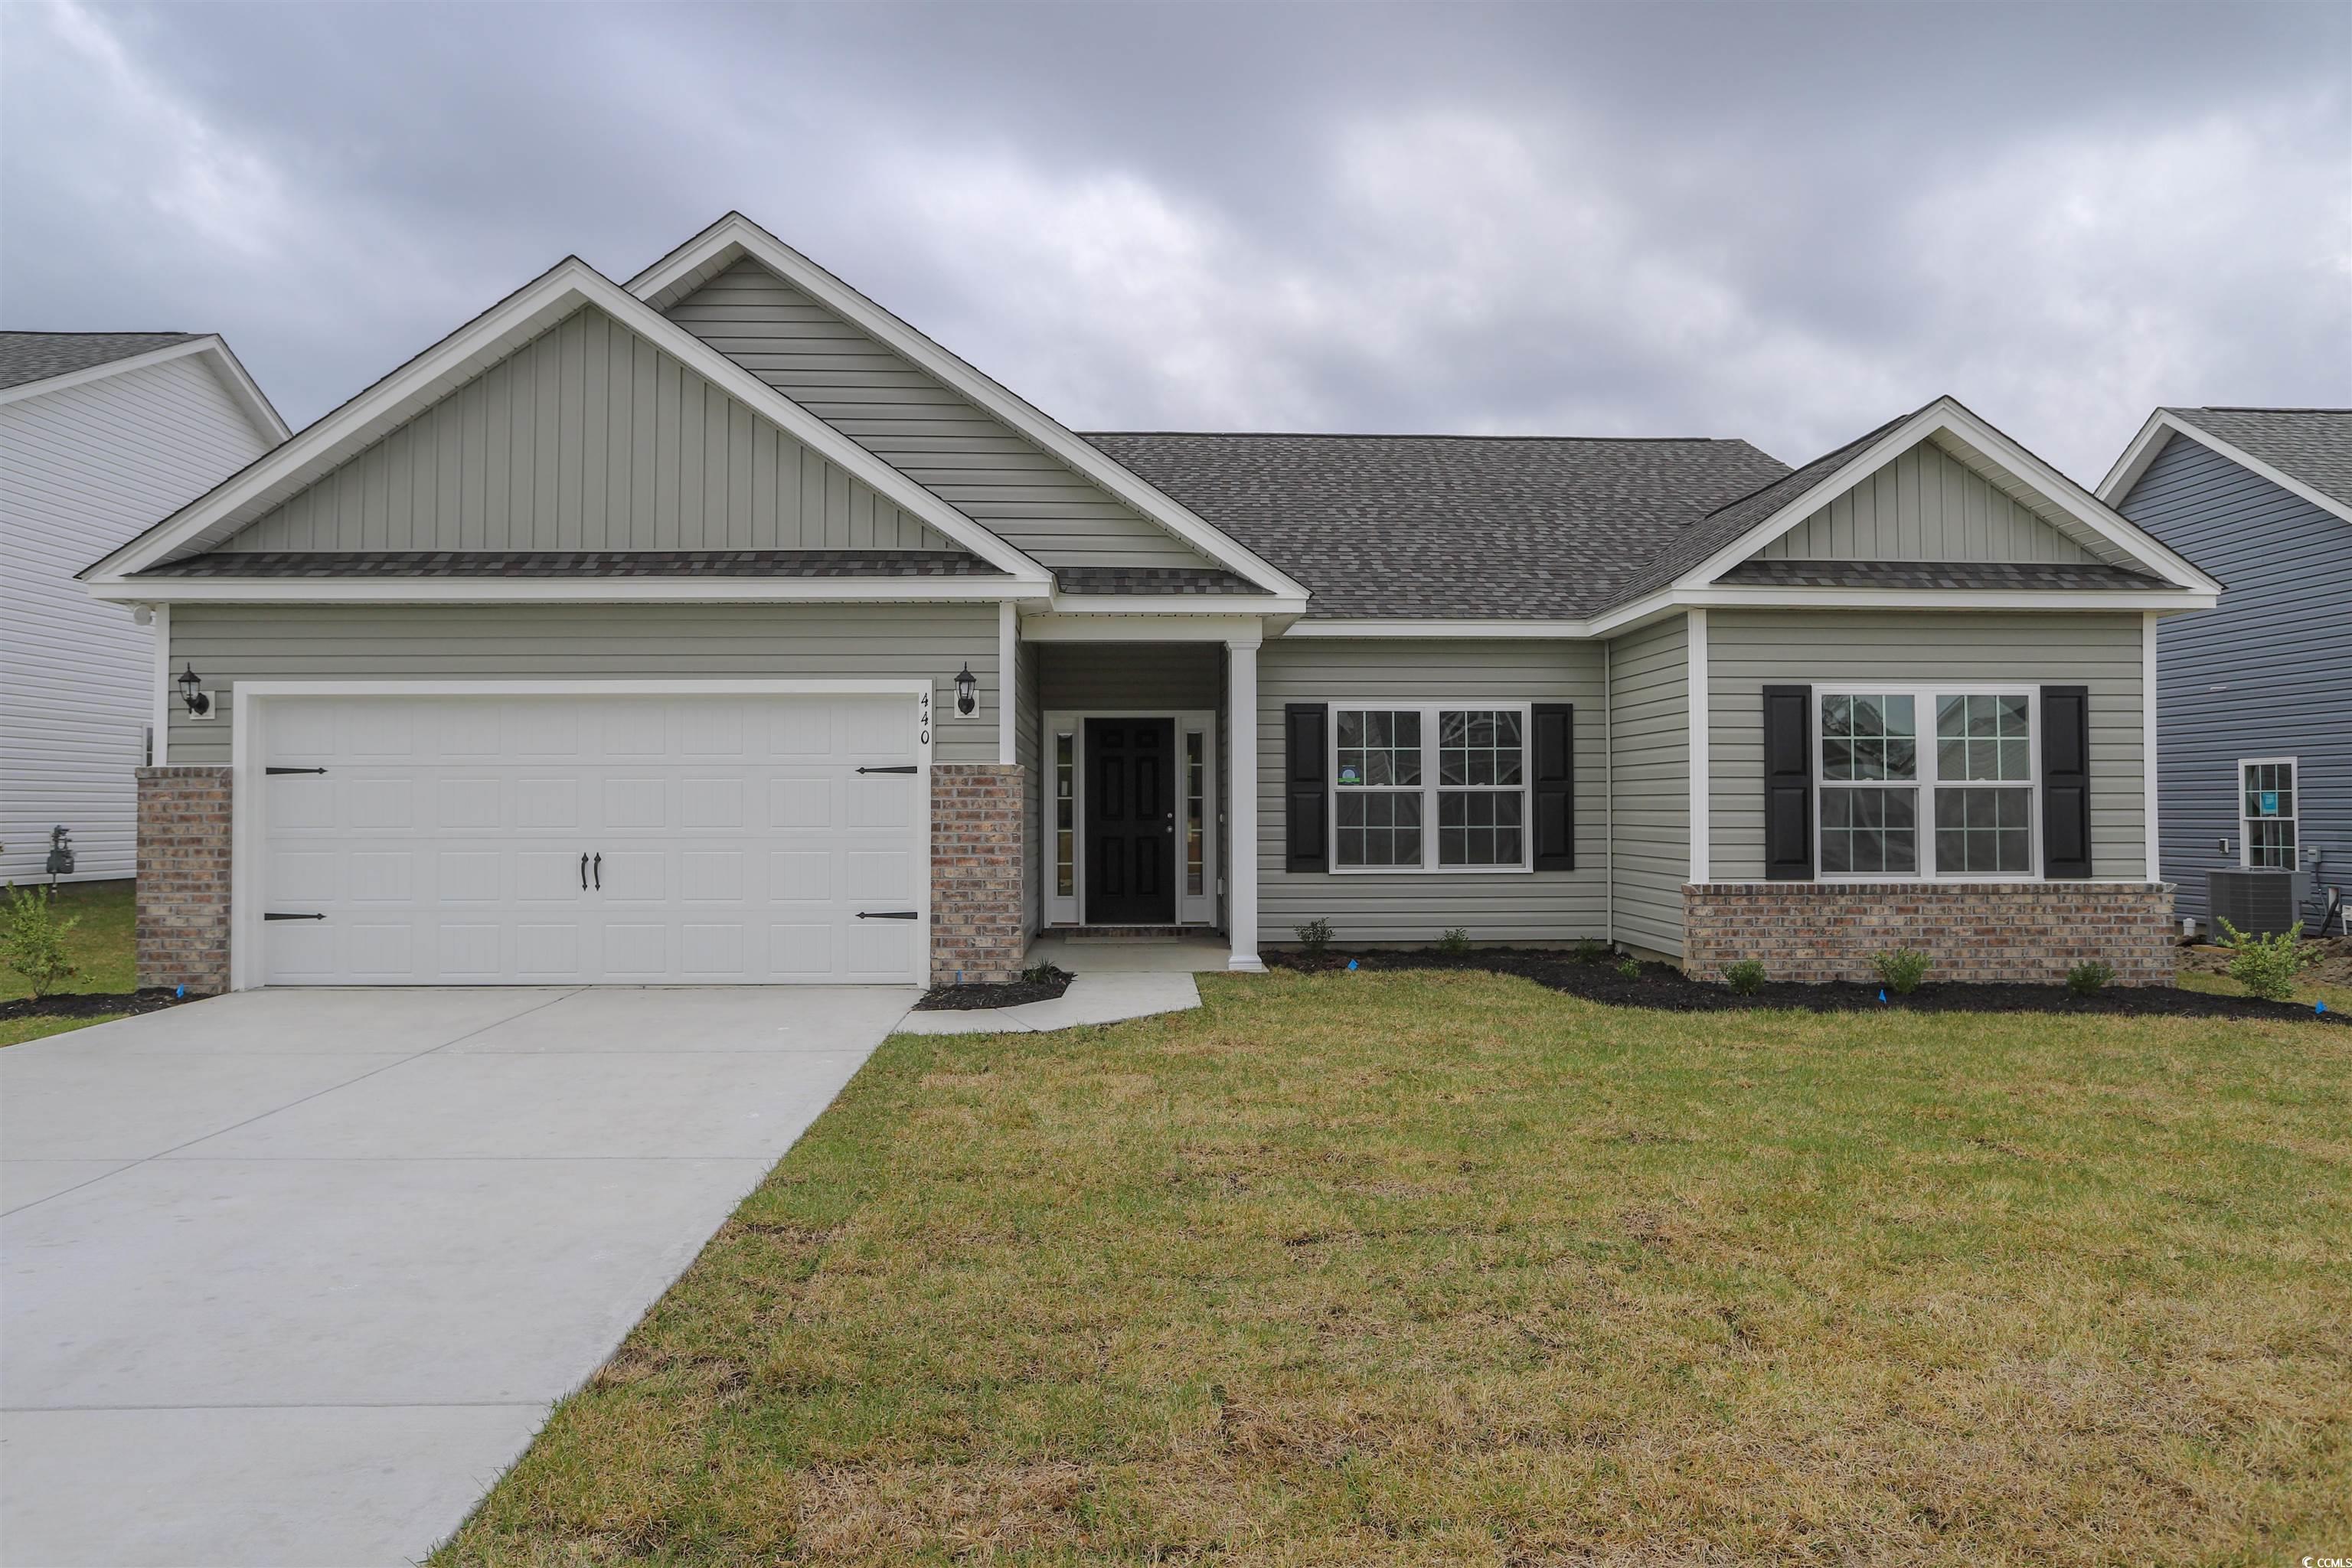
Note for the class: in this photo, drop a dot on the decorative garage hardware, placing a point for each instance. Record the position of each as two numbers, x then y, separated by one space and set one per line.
273 772
583 871
191 693
599 871
899 768
888 915
275 915
967 687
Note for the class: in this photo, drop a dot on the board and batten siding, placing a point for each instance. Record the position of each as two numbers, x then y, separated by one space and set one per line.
588 438
1649 685
928 431
2267 674
1547 907
1926 505
1749 649
82 469
232 643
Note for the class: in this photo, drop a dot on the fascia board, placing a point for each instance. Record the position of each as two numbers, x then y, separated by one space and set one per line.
740 233
2143 451
564 590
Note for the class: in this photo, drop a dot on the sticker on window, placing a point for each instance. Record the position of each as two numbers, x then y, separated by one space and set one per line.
1347 774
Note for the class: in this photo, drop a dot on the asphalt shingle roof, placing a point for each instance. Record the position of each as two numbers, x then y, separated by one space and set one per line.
576 563
37 356
2314 445
1435 527
2066 577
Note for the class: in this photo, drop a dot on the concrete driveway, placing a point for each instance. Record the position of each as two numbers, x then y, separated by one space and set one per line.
289 1276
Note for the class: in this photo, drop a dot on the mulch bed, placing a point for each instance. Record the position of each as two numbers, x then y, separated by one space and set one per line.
1663 986
93 1004
1012 994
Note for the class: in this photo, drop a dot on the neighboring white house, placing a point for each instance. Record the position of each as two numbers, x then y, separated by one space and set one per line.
101 434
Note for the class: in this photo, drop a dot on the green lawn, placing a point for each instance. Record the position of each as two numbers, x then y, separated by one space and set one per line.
102 943
2336 997
1446 1268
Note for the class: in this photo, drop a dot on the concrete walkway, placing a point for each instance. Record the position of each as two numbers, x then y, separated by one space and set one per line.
290 1277
1117 978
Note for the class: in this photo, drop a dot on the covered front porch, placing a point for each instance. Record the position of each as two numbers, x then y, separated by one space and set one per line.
1132 759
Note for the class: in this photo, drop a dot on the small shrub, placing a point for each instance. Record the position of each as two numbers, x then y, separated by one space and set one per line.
2090 977
1039 974
1901 968
1630 970
1315 938
1455 942
32 939
1746 977
2268 966
1591 952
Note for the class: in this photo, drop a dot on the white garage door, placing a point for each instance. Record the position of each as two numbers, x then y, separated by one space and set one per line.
625 840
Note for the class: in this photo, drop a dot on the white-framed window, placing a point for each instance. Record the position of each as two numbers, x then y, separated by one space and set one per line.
1917 782
1429 786
2266 813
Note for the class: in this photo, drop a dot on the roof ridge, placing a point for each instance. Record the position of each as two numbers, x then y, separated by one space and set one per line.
2252 408
1416 436
99 332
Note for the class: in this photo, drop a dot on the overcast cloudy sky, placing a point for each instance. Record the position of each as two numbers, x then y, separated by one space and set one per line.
1785 223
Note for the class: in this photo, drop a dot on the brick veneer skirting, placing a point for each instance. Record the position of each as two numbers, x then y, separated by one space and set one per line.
978 848
1973 931
183 871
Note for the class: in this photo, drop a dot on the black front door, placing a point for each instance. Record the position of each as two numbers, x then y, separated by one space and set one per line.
1131 822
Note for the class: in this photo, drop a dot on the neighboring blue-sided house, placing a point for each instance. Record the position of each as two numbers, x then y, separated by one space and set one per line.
2254 715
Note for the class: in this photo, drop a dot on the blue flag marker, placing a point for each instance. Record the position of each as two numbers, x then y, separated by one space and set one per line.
1352 964
2319 1007
1882 993
179 992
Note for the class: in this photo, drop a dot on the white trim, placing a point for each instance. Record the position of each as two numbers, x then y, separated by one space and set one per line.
1948 415
248 736
1072 721
690 263
243 389
1377 628
2238 810
1431 789
2148 735
1216 604
1230 630
539 305
1925 781
2164 423
1702 847
1008 682
713 590
161 627
1241 806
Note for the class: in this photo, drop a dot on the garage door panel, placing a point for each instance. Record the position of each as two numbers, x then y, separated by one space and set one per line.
444 843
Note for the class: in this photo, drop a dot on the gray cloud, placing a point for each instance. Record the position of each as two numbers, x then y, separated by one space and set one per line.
1783 222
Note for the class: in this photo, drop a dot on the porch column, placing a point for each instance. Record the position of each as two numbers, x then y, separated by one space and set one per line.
1240 807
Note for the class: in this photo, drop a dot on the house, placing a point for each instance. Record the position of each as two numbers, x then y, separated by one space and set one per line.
100 433
719 626
2254 721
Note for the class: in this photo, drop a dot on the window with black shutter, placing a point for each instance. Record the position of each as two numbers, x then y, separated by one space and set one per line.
1306 788
1554 769
1788 784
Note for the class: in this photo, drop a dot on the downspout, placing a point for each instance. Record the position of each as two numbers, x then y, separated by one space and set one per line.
1609 787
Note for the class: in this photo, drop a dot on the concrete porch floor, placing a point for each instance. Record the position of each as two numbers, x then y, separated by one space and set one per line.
1204 953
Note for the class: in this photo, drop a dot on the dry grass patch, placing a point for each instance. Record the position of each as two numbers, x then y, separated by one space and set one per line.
1446 1268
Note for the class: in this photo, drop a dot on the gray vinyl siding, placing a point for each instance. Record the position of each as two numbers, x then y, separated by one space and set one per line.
230 643
1925 506
1649 683
588 438
2268 674
1749 649
926 430
1115 677
1517 906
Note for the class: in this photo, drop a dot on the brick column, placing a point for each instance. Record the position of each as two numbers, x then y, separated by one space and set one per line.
978 848
183 878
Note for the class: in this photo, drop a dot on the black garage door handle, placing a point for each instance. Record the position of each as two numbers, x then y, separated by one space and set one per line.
901 768
274 915
275 772
888 914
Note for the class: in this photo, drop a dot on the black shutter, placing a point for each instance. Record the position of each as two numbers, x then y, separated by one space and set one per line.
1788 783
1554 777
2065 781
1306 792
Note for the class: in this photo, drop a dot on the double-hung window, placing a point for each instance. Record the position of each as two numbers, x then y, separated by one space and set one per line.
2266 813
1435 786
1955 801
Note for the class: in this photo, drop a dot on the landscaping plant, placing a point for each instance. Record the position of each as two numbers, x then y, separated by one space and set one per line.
1630 970
2090 977
1455 943
32 939
1314 939
2268 966
1746 977
1588 951
1901 968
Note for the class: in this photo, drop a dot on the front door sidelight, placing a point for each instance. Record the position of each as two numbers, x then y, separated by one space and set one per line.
1130 866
